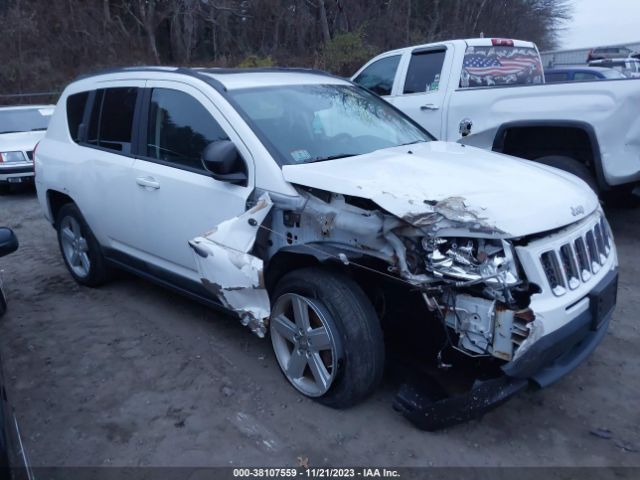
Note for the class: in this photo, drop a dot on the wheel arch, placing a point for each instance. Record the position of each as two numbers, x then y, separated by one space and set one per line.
55 201
565 137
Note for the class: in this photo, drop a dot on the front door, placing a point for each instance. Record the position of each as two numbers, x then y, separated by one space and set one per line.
423 94
176 198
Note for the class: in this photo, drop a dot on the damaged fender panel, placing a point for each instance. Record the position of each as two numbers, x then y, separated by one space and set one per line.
230 272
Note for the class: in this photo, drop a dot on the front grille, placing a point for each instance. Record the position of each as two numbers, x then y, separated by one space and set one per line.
30 155
575 261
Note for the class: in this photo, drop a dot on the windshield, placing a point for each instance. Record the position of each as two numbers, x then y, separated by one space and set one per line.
501 65
310 123
24 119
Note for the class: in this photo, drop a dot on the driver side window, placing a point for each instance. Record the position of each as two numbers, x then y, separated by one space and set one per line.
180 128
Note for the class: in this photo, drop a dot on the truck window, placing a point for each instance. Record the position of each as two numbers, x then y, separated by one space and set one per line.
378 77
424 71
500 65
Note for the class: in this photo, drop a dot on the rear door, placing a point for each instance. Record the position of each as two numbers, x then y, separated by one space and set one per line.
175 198
105 162
422 93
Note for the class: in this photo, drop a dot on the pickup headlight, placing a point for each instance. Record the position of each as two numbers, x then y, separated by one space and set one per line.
471 260
12 157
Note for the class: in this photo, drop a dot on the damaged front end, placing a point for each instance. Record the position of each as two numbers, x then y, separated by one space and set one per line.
463 269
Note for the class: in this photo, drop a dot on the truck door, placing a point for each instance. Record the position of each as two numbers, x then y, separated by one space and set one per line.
422 94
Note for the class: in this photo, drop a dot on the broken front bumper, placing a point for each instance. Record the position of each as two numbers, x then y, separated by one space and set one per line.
552 357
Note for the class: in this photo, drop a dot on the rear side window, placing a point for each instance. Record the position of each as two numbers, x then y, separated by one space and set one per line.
180 128
111 122
424 71
378 77
500 65
75 112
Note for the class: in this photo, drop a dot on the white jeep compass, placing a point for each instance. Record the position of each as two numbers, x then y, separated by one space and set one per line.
319 214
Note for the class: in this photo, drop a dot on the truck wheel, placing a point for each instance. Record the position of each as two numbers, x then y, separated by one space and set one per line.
571 165
326 337
80 249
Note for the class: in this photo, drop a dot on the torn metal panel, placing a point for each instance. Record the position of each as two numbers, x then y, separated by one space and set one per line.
230 272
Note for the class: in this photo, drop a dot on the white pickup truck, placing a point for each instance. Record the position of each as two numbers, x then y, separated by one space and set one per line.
490 93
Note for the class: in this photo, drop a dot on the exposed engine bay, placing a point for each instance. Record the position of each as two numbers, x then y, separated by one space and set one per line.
472 285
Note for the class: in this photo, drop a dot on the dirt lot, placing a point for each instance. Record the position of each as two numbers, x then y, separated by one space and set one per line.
131 374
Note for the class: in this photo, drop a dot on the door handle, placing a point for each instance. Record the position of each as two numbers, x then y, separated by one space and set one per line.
429 106
148 182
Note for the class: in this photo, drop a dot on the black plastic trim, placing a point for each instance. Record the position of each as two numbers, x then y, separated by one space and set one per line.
416 406
179 284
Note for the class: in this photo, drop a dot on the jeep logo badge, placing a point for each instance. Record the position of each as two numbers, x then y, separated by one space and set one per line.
579 210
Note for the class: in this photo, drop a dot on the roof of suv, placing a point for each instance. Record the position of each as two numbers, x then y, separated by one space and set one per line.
237 78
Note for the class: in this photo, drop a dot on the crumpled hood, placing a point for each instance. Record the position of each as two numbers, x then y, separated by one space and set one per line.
475 190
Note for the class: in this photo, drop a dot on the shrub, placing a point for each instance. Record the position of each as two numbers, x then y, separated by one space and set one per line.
346 52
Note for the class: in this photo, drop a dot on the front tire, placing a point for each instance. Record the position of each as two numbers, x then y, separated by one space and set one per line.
80 250
326 337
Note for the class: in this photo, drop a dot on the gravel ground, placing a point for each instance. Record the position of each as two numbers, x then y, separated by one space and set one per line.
131 374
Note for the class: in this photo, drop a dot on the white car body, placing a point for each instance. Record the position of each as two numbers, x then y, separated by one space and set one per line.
203 231
20 144
603 115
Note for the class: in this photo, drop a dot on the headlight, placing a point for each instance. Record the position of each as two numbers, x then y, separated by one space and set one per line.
12 157
472 260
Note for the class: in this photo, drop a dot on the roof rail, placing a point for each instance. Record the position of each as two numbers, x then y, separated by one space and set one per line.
198 72
192 72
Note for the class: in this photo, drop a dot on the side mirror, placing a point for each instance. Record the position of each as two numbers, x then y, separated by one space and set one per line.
224 162
8 241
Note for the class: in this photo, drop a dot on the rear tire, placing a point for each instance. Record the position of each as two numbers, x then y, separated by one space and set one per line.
353 351
80 250
571 165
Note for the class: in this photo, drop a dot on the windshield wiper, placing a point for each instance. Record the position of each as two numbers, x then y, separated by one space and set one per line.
332 157
412 143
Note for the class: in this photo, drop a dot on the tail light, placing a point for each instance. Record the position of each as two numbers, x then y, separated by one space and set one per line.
34 159
501 42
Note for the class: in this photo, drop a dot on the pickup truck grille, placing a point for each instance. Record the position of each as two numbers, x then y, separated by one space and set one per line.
573 263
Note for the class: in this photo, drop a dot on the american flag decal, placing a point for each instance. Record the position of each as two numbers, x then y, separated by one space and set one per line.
482 65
